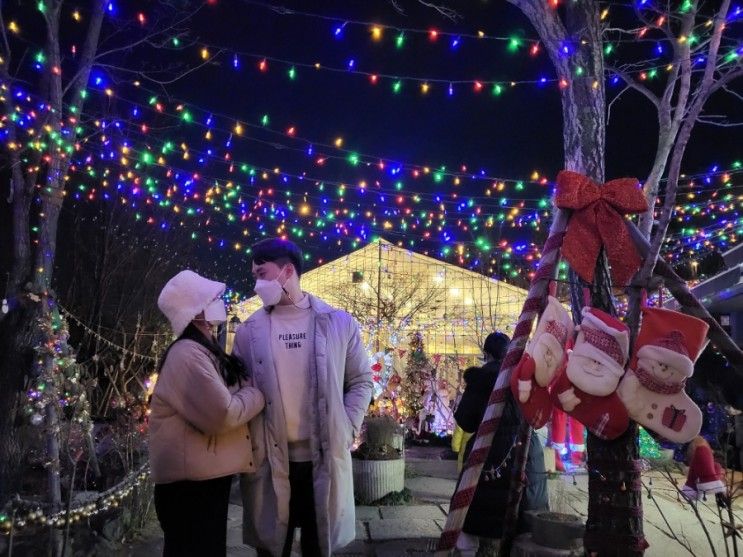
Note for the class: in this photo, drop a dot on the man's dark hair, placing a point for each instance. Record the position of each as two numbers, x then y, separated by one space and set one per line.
276 250
496 345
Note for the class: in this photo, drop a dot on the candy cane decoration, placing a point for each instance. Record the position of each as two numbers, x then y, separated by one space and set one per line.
533 305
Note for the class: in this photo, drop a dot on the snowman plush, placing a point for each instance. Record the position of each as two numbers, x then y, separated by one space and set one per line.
667 346
586 386
542 358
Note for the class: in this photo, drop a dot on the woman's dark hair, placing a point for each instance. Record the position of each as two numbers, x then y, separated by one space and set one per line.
496 345
276 250
230 367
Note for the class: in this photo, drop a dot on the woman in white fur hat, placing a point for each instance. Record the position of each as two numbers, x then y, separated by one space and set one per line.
201 405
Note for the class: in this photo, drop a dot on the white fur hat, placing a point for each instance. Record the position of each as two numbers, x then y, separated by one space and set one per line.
185 296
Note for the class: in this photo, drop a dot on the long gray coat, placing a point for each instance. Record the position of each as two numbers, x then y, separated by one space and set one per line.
341 394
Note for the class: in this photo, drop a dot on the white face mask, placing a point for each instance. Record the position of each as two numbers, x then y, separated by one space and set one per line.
215 313
269 291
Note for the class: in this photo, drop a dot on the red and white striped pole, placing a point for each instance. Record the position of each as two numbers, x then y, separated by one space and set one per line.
533 305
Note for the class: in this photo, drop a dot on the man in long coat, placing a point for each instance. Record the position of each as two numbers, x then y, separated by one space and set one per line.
311 365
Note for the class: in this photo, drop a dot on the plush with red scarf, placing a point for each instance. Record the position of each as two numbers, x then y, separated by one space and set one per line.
667 346
586 386
542 358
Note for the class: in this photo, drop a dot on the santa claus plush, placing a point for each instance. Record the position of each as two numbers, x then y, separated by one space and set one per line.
705 476
567 434
586 386
542 357
667 346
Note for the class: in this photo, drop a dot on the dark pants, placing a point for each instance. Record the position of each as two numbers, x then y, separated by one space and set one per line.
301 512
193 516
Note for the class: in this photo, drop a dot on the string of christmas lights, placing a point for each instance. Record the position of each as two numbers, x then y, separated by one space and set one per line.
28 514
544 201
121 349
185 114
377 30
396 82
233 130
536 258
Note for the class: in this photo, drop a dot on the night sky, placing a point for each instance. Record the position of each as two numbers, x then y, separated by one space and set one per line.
509 136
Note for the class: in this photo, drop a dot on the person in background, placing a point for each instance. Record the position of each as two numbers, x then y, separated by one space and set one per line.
198 433
458 442
484 519
313 369
459 438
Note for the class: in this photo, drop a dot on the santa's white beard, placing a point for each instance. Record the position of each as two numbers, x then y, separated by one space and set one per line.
545 363
590 377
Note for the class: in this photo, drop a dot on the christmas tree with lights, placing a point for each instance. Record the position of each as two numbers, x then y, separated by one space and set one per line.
417 373
649 447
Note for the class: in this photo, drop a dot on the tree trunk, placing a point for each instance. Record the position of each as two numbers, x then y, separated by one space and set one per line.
21 333
581 74
54 485
20 273
614 491
52 195
614 525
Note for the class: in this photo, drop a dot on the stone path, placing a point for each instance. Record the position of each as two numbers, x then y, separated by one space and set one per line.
414 529
380 531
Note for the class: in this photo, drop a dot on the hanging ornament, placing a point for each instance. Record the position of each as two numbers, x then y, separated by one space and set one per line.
666 348
36 419
586 385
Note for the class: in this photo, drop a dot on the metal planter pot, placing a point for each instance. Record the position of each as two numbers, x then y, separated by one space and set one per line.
373 479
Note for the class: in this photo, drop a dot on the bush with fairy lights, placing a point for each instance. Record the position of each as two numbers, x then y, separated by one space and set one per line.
97 468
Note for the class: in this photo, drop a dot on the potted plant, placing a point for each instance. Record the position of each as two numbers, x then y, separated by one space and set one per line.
378 463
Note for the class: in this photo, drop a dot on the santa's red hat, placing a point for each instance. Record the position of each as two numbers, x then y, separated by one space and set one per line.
554 327
603 338
673 338
705 475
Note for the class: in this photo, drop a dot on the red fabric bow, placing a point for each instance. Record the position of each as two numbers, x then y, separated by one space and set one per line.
597 221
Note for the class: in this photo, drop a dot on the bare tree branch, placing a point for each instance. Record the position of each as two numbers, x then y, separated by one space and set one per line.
727 78
148 77
712 122
150 37
637 86
615 99
731 92
6 44
447 12
706 87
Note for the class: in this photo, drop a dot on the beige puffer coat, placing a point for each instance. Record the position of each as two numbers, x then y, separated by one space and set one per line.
198 425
